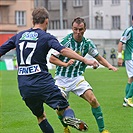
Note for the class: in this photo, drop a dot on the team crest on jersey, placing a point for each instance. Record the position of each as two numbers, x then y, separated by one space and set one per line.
28 70
29 36
78 52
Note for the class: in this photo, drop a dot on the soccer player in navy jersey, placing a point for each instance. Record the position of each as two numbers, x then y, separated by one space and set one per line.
36 84
69 76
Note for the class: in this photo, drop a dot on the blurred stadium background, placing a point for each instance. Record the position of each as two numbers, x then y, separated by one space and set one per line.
105 19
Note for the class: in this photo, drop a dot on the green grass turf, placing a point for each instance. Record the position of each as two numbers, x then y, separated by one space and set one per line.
108 87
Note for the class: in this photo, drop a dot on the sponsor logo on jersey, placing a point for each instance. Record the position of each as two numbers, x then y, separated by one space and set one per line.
78 52
28 70
29 36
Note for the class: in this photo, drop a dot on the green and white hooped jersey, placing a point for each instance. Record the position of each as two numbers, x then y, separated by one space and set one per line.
127 39
82 48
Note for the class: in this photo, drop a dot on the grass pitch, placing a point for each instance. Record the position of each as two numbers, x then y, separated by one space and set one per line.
108 87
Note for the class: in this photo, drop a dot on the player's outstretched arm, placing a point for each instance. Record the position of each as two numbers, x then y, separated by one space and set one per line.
105 63
73 55
58 62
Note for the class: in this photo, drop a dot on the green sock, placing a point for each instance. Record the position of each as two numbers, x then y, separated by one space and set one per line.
61 120
127 88
99 117
130 92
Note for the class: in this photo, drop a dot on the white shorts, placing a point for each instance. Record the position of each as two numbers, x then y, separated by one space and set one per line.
77 85
129 68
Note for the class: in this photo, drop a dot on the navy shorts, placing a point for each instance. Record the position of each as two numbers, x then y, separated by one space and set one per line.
53 98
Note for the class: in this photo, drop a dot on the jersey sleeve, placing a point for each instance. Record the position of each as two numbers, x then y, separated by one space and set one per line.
7 46
92 49
63 43
55 53
126 36
54 43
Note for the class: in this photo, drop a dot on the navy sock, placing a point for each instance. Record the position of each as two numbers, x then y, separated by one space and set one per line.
46 127
69 113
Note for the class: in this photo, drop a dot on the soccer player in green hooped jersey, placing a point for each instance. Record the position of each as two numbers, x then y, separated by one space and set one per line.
127 39
69 72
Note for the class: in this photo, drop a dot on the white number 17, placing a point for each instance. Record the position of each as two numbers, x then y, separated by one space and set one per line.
28 45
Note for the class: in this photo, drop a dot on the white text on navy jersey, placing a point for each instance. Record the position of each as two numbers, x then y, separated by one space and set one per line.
28 70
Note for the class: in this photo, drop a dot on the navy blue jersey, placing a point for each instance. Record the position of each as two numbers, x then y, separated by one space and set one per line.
32 47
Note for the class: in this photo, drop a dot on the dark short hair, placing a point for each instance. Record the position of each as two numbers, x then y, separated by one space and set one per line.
132 17
79 20
39 15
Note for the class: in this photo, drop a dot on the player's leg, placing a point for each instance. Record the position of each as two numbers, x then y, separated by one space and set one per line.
126 92
36 106
129 96
61 83
129 69
67 118
84 90
127 88
60 117
44 124
96 109
130 91
70 119
59 103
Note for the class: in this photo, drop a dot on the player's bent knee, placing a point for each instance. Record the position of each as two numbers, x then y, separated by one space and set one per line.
93 101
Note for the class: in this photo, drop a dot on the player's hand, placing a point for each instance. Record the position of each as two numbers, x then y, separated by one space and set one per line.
112 68
92 63
95 65
120 61
70 62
